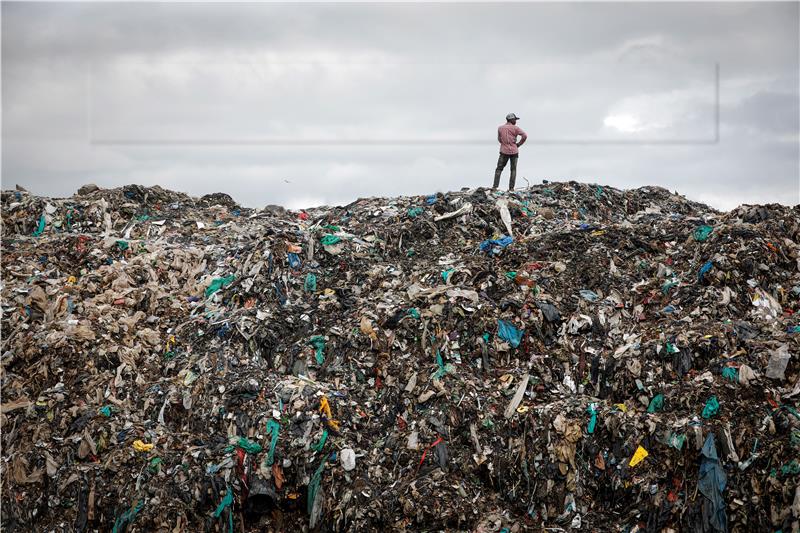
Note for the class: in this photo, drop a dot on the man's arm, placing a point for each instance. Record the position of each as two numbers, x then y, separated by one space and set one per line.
498 135
523 135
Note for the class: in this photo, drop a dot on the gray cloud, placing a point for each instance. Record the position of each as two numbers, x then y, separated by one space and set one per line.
769 112
73 73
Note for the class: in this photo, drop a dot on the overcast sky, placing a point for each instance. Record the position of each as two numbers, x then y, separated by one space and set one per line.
310 104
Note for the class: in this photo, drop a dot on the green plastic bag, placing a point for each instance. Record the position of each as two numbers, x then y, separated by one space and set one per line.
127 518
313 486
668 285
219 283
248 445
311 283
155 465
671 348
321 444
39 230
273 429
227 501
791 468
318 342
443 368
592 417
702 233
329 240
711 408
676 441
656 404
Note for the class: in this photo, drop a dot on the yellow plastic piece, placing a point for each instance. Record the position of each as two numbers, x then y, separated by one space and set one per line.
638 456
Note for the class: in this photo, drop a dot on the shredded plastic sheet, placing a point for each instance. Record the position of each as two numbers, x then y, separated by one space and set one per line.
226 502
273 429
711 482
314 493
126 518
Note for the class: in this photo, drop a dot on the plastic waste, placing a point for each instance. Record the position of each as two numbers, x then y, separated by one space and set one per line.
778 361
455 420
509 333
348 459
702 232
711 408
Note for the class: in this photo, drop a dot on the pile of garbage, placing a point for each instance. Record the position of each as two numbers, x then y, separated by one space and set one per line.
564 357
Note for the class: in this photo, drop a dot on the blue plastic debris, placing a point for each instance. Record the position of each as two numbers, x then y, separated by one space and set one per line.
705 269
711 482
509 333
588 295
495 246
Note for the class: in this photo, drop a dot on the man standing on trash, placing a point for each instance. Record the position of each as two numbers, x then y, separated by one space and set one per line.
509 149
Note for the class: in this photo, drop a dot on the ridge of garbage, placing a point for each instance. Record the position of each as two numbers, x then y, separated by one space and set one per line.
565 357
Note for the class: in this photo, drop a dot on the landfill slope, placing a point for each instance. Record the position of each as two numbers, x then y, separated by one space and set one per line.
566 357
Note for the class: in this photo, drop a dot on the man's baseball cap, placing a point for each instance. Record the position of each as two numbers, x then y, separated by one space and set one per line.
512 116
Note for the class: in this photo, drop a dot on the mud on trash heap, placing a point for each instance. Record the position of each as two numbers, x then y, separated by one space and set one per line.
567 357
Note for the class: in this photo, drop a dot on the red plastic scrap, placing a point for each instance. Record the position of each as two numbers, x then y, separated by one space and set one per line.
241 457
772 402
425 452
80 245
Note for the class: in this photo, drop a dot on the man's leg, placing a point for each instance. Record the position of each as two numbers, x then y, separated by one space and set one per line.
513 178
501 164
